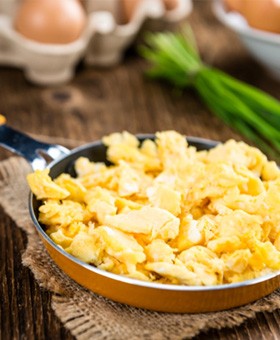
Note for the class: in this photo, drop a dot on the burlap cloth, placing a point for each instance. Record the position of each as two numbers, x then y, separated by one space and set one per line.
89 316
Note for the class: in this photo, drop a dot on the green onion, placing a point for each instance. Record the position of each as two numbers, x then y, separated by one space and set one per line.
250 111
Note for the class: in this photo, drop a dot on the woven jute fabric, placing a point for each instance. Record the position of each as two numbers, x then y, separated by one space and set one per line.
88 315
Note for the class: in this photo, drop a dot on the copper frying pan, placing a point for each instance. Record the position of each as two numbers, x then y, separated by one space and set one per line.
159 297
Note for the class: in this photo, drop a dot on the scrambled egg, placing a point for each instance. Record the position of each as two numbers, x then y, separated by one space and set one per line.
165 212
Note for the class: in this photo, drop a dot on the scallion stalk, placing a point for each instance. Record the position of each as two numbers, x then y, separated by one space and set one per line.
250 111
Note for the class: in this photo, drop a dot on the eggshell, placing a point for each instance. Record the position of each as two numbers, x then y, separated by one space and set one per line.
263 14
170 4
260 14
50 21
234 5
129 7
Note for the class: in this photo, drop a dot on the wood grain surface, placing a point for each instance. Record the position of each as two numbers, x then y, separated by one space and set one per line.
97 102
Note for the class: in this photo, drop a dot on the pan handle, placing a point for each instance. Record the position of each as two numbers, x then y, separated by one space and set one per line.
29 148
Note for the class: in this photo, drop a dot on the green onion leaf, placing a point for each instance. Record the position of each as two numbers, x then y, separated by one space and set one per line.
253 113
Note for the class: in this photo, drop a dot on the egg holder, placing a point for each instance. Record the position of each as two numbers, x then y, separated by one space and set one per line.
102 43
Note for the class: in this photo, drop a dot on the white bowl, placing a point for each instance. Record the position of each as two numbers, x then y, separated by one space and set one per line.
263 46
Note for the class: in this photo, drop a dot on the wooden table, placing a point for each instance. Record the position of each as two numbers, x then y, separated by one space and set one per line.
98 102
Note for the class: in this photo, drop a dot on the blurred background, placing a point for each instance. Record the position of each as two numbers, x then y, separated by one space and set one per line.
71 72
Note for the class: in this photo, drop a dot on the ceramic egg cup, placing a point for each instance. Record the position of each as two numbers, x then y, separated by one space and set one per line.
102 43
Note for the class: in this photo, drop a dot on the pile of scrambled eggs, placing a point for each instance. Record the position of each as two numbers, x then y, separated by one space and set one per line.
165 212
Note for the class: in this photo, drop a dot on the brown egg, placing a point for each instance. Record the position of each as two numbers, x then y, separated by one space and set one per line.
50 21
170 4
263 14
260 14
129 6
234 5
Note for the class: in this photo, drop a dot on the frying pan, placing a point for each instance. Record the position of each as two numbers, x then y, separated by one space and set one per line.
148 295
